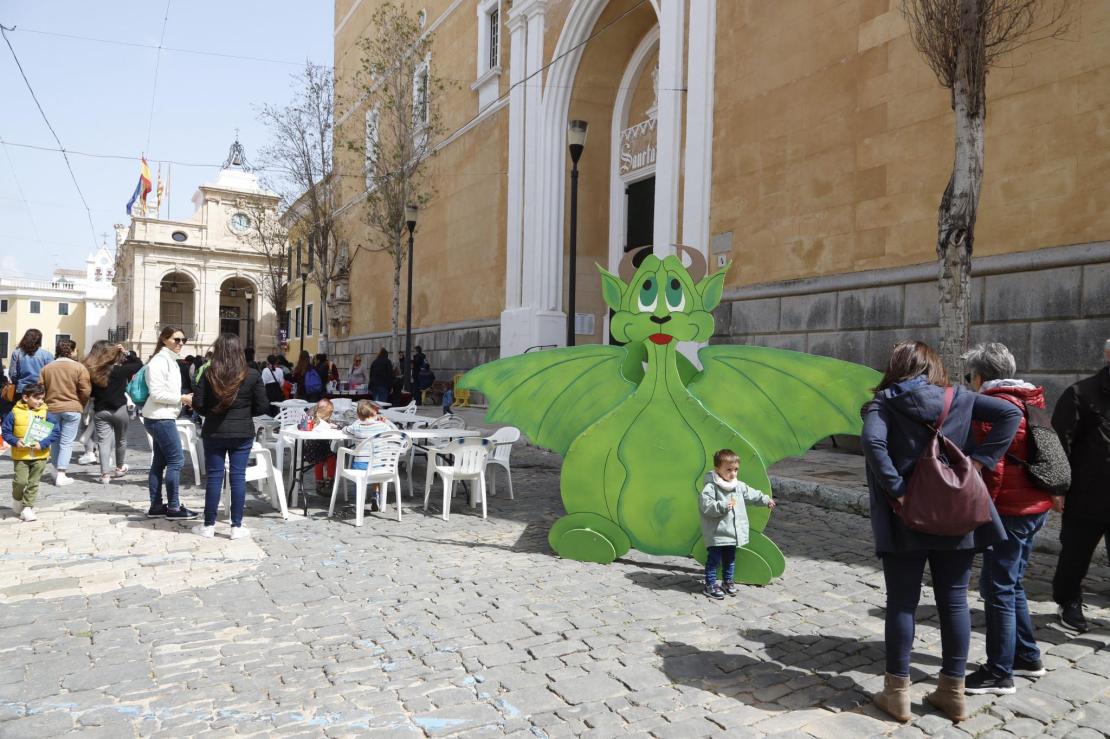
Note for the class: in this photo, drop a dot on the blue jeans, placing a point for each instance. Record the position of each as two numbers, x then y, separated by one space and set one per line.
63 449
716 557
238 453
1009 628
951 572
167 462
380 394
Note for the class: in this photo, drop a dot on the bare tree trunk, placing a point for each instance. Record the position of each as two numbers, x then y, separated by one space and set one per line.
958 207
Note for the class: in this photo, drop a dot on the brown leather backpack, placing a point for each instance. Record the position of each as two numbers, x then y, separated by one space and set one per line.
945 495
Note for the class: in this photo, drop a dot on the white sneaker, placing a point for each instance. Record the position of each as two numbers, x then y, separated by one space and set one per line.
17 506
28 514
62 479
208 531
87 458
121 470
240 532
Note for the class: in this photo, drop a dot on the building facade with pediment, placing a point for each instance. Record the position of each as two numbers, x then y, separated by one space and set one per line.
805 141
201 274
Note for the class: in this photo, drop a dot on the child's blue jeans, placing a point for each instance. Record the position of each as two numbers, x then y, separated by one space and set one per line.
719 556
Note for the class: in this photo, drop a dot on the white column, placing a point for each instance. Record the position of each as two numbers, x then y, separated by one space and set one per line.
698 165
533 159
669 132
515 208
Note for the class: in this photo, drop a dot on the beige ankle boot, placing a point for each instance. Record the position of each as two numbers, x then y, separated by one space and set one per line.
895 698
949 697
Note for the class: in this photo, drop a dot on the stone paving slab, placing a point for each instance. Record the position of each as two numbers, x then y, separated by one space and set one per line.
119 626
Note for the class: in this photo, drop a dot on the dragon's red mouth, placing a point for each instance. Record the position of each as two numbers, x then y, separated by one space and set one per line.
661 339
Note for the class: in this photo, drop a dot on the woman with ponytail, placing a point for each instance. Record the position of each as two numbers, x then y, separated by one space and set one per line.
228 395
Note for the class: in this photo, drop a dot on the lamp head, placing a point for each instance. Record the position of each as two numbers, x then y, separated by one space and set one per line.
411 212
576 138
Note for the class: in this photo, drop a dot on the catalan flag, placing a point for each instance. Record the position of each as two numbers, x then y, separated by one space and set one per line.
142 189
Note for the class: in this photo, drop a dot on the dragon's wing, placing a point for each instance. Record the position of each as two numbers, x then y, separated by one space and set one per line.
782 401
555 395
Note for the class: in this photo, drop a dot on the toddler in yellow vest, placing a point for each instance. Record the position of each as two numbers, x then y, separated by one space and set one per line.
30 429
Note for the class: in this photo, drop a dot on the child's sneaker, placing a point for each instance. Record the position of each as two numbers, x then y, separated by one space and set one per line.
714 592
239 532
62 479
208 532
28 514
730 588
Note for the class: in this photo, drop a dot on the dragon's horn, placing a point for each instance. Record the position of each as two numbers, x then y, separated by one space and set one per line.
631 261
697 266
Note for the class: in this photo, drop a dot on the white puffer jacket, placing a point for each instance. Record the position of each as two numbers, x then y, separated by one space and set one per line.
163 379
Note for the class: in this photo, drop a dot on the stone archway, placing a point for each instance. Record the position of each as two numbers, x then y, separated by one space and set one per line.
177 303
238 306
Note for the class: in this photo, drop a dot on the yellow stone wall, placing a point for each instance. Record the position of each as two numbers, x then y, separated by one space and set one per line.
833 141
459 265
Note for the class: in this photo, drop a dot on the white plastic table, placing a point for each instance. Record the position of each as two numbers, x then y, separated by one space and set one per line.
409 420
299 437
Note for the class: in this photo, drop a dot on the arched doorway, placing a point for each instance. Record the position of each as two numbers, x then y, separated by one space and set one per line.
237 304
177 303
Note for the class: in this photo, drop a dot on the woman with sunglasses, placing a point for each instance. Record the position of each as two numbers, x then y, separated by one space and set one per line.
163 406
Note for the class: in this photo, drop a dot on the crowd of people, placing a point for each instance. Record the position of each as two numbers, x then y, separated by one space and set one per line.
49 397
993 421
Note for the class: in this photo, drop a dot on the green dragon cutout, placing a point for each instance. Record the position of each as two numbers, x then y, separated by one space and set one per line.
638 424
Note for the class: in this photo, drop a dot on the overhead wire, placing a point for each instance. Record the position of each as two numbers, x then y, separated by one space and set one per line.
4 32
22 195
157 65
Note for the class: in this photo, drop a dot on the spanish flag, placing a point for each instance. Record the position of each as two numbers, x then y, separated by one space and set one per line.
142 189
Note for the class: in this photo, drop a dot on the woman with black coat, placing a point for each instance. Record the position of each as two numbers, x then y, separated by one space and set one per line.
229 396
896 429
110 369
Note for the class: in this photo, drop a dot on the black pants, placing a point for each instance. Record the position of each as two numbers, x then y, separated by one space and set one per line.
1079 535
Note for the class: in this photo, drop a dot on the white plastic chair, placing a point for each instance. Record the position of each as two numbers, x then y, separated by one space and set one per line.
277 442
262 469
470 455
446 421
190 446
342 405
503 440
385 452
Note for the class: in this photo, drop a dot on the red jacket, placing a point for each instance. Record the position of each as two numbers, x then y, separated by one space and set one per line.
1013 491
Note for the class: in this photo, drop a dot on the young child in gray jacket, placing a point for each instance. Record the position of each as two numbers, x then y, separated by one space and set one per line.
724 519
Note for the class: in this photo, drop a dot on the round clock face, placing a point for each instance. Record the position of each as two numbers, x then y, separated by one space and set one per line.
239 223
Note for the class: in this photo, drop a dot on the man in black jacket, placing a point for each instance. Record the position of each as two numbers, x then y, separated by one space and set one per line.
1082 419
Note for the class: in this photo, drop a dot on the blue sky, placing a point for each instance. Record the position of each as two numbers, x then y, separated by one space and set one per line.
98 98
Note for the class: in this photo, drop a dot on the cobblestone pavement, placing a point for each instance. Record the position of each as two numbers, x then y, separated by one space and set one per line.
115 625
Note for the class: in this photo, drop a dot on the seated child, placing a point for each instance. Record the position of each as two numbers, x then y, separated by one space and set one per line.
319 453
724 519
29 459
370 423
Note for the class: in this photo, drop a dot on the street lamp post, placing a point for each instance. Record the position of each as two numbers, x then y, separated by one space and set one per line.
410 220
576 142
249 295
304 286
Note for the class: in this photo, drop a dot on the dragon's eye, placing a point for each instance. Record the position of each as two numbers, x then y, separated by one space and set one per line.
649 296
676 296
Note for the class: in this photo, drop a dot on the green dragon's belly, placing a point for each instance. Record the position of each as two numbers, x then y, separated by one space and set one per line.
642 466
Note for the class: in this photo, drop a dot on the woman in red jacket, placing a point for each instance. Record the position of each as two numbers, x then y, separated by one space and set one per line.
1011 646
